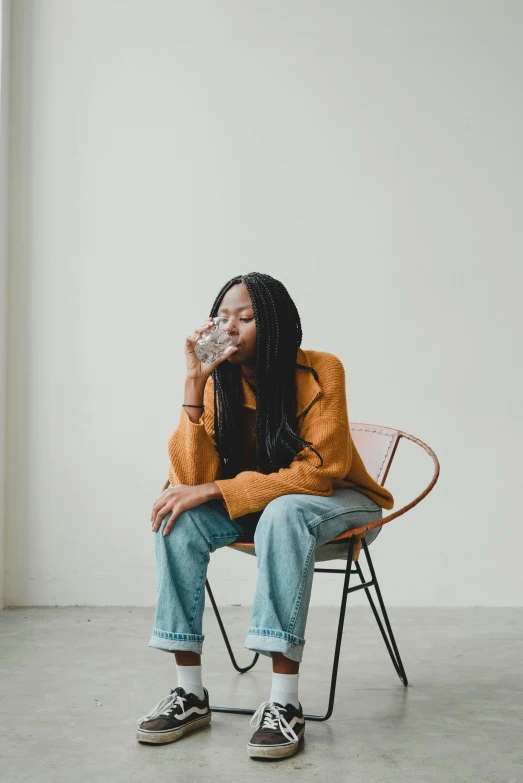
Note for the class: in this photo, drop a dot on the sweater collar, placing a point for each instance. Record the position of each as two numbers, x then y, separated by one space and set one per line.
307 388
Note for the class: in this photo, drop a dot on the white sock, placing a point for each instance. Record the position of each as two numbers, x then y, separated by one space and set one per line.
284 689
190 679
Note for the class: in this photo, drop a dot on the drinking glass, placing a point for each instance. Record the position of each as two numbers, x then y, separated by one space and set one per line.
214 342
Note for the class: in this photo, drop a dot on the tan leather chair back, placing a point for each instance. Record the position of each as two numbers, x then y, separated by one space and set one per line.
376 446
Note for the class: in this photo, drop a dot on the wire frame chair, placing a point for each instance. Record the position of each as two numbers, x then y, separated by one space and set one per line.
377 447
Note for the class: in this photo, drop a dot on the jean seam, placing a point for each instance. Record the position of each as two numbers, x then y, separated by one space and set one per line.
305 570
179 637
205 555
226 535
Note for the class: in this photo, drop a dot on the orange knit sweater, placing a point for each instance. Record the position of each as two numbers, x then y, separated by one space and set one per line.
322 420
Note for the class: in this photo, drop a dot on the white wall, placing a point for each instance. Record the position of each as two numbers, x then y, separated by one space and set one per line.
368 154
4 254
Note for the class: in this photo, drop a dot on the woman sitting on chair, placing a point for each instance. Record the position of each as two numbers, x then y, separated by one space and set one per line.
262 451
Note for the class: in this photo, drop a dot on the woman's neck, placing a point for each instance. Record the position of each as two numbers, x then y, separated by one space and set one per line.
249 373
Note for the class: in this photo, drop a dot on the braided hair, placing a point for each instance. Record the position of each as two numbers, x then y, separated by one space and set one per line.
278 336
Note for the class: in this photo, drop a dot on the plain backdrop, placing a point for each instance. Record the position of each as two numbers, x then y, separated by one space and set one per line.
368 155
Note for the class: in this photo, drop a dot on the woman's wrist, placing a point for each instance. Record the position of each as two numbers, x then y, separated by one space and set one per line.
193 396
212 491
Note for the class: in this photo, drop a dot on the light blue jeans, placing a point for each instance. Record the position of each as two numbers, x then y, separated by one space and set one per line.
286 534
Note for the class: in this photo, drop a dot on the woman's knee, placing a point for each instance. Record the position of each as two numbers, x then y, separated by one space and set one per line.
203 527
183 528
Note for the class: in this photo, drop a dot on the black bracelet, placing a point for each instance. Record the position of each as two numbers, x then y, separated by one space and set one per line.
193 406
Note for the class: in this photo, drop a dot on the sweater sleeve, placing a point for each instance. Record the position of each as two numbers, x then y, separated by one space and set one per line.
326 426
191 447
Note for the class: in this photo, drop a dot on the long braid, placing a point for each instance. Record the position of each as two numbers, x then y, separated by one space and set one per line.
278 337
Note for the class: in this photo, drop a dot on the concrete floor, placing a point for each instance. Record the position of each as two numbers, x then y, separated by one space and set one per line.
74 681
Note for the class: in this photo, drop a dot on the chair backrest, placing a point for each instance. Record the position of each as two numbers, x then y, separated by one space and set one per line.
376 446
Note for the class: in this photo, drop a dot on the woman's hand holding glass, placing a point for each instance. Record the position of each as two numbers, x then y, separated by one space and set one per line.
197 369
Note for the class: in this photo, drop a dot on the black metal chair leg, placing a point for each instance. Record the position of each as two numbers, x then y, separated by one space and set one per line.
393 651
226 638
391 645
337 648
242 711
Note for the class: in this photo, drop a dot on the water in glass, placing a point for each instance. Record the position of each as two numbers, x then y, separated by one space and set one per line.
214 342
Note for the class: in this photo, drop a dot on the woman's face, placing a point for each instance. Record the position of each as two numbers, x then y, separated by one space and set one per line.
236 305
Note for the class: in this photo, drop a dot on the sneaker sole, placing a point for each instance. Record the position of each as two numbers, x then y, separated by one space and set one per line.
171 735
274 751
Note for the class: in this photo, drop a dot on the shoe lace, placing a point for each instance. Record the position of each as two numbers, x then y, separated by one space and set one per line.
165 707
268 716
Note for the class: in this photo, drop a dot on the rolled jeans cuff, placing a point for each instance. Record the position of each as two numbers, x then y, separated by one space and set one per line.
268 640
163 640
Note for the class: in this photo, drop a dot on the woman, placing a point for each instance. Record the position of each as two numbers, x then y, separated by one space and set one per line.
263 448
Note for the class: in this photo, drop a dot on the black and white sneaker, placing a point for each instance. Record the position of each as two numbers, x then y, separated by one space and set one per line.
174 716
279 730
